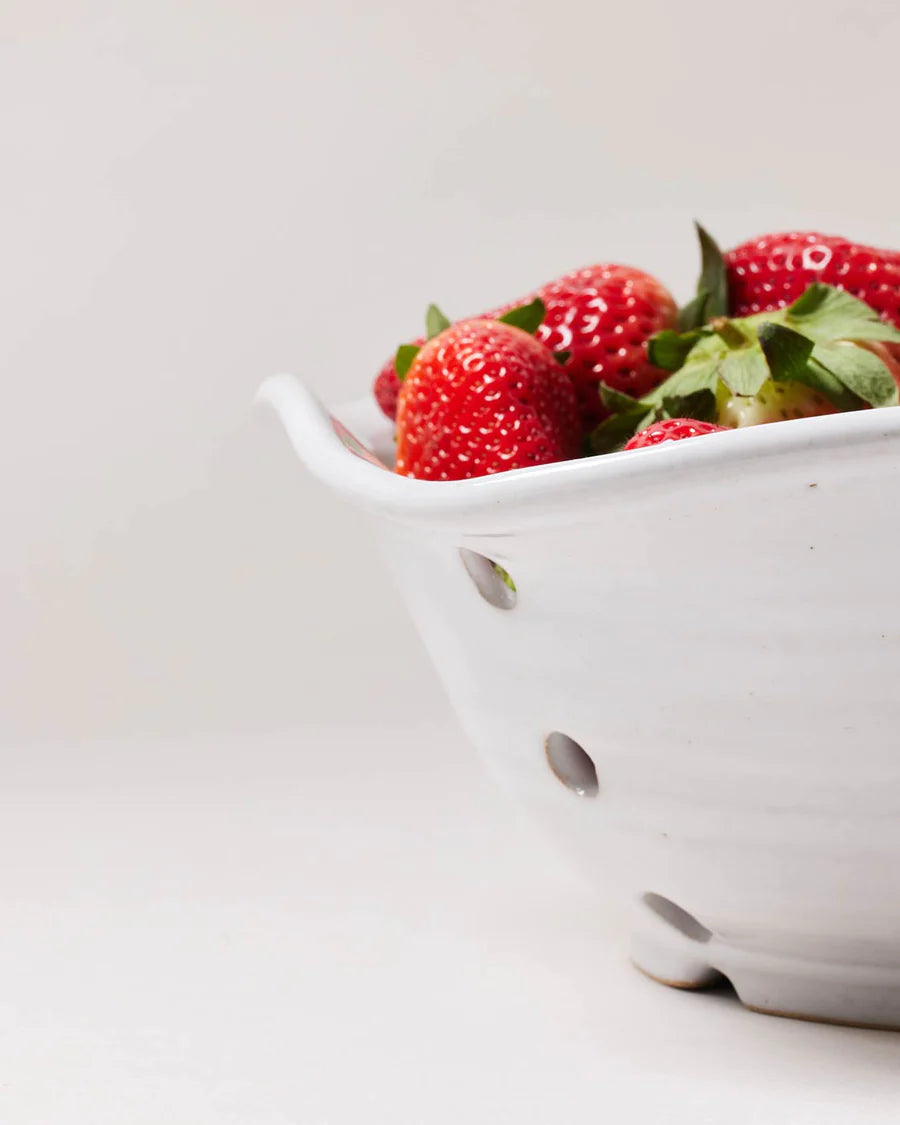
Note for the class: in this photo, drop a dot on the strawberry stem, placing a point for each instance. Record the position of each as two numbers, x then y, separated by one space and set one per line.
728 333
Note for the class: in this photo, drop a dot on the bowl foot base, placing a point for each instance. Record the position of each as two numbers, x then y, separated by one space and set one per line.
858 995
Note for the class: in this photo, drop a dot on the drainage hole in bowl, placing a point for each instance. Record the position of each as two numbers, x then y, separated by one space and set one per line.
676 917
571 764
491 580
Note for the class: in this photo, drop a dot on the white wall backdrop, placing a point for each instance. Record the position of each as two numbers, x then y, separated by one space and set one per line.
194 195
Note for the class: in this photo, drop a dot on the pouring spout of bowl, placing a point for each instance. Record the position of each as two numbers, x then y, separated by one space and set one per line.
327 447
310 427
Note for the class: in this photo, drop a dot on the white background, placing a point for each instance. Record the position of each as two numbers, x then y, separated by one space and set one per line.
195 195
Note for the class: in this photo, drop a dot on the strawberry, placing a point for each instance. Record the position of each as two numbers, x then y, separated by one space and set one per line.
768 273
773 402
481 397
387 386
826 351
772 271
672 429
601 317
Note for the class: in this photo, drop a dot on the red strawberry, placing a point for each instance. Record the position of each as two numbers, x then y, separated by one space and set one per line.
482 397
770 272
672 429
387 386
603 316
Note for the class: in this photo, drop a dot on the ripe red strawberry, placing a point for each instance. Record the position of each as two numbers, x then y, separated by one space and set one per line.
672 429
767 274
770 272
602 316
482 397
387 386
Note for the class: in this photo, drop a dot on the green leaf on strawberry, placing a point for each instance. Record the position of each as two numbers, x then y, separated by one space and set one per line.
824 313
787 352
617 402
701 405
669 349
713 276
627 416
701 374
791 359
612 433
744 370
435 321
712 289
693 314
403 360
860 371
527 317
820 379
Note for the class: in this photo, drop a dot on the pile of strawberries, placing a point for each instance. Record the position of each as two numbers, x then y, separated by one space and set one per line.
784 326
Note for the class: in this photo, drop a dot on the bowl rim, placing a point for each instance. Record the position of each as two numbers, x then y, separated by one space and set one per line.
317 441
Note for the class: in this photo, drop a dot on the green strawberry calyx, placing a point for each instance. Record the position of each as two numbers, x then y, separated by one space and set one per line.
403 359
435 323
711 299
528 317
818 341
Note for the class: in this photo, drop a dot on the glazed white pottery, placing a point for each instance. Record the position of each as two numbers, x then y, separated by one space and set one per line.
693 686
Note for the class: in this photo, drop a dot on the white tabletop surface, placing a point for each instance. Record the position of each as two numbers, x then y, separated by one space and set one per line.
341 926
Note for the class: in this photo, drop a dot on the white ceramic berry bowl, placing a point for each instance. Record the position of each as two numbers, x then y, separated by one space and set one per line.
694 686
